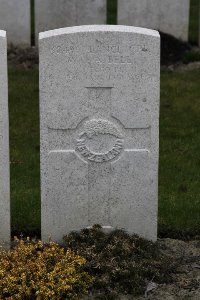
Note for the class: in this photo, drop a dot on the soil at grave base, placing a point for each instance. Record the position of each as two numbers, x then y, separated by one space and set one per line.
23 58
172 52
186 276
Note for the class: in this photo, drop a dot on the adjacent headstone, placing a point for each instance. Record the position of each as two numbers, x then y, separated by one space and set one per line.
51 14
168 16
15 19
4 147
99 101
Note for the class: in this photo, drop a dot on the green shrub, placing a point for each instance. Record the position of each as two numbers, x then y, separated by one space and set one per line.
34 270
120 263
191 56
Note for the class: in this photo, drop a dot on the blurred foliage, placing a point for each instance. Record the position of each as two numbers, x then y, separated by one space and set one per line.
191 56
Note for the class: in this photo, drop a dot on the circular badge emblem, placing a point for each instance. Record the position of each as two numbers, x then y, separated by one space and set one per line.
99 141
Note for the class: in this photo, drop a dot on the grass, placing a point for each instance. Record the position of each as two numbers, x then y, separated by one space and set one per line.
24 150
179 177
179 189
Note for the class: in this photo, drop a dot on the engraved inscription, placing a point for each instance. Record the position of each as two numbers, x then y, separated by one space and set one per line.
101 46
59 49
99 157
94 128
109 59
99 99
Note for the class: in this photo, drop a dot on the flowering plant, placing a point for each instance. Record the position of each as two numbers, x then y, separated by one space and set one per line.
34 270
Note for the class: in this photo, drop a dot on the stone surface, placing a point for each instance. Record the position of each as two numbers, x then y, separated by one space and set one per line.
169 16
99 104
51 14
15 19
4 146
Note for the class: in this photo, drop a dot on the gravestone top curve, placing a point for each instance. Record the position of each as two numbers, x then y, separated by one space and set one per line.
98 28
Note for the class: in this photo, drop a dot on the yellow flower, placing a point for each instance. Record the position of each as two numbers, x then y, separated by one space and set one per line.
33 270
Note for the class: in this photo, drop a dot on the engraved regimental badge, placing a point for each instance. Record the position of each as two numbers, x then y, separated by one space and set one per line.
100 141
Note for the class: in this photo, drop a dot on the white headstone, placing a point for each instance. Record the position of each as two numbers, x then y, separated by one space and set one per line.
51 14
15 19
99 101
168 16
4 146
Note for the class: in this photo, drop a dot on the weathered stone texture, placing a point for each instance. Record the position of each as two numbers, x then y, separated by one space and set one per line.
99 103
51 14
4 146
15 19
169 16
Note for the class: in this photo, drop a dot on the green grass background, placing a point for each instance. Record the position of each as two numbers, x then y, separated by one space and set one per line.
179 176
24 150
